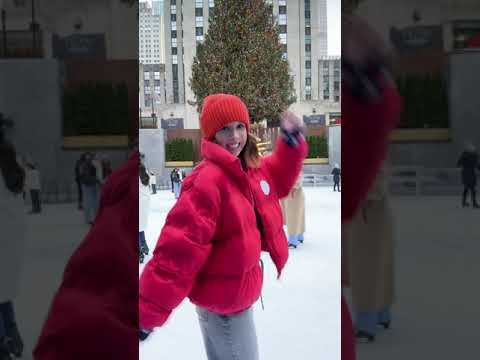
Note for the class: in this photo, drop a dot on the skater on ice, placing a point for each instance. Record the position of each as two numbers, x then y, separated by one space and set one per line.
228 212
89 179
33 186
294 214
177 179
336 172
153 181
143 210
468 161
371 261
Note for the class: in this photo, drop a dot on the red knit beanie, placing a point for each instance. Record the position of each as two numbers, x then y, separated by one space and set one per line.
219 110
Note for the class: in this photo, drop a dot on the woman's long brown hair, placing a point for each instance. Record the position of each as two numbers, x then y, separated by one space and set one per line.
249 157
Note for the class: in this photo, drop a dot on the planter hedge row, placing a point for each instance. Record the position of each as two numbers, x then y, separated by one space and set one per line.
97 108
424 100
317 147
179 150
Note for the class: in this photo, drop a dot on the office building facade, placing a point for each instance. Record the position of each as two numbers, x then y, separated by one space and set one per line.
303 33
150 33
329 84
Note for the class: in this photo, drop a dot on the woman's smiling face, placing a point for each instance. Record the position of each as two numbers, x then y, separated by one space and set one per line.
232 137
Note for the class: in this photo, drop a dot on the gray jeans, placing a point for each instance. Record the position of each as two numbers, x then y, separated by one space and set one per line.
229 337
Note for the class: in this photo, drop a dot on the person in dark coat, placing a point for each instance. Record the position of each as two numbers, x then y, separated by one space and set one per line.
172 175
468 161
78 166
336 178
177 179
106 166
90 180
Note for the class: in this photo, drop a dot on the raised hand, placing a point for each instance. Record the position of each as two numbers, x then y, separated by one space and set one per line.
291 122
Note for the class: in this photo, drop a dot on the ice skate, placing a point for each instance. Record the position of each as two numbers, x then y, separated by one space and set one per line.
384 324
4 349
15 342
364 337
145 249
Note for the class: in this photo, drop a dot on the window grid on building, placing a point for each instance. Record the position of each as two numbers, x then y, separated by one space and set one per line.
308 52
174 50
329 78
150 25
199 20
282 27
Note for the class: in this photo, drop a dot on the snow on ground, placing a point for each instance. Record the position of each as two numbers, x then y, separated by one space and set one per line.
301 319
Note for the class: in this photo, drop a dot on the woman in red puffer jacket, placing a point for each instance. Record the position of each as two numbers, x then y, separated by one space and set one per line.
94 313
209 249
370 110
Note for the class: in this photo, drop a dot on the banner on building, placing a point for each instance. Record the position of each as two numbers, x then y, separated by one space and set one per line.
334 118
172 123
79 46
314 119
466 34
415 38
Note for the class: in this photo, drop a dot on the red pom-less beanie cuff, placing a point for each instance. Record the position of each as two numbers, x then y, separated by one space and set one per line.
219 110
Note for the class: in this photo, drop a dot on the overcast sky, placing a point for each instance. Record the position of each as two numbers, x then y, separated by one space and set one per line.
334 27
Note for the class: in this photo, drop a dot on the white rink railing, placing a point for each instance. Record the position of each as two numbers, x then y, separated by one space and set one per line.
317 180
417 180
307 180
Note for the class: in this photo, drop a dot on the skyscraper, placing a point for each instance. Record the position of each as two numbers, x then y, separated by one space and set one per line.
151 28
157 7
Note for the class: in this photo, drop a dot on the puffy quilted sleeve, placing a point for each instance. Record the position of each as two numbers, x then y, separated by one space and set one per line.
365 135
181 252
285 164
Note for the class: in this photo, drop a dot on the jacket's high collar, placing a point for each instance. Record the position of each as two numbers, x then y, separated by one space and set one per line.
217 154
229 163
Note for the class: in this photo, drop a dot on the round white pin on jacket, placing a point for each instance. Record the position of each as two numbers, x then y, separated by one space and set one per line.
265 187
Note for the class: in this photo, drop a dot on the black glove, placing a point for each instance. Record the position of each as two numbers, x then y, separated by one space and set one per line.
143 334
291 138
363 81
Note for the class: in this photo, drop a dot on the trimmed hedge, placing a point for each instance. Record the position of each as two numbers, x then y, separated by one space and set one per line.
425 102
179 150
317 147
96 108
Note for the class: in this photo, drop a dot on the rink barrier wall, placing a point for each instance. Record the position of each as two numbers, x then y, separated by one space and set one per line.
419 181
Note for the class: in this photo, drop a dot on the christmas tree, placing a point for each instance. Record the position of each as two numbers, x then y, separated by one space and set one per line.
242 55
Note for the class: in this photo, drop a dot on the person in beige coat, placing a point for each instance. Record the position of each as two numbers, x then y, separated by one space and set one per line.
293 207
370 261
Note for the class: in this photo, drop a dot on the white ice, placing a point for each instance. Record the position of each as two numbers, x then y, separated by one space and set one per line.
436 314
301 319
